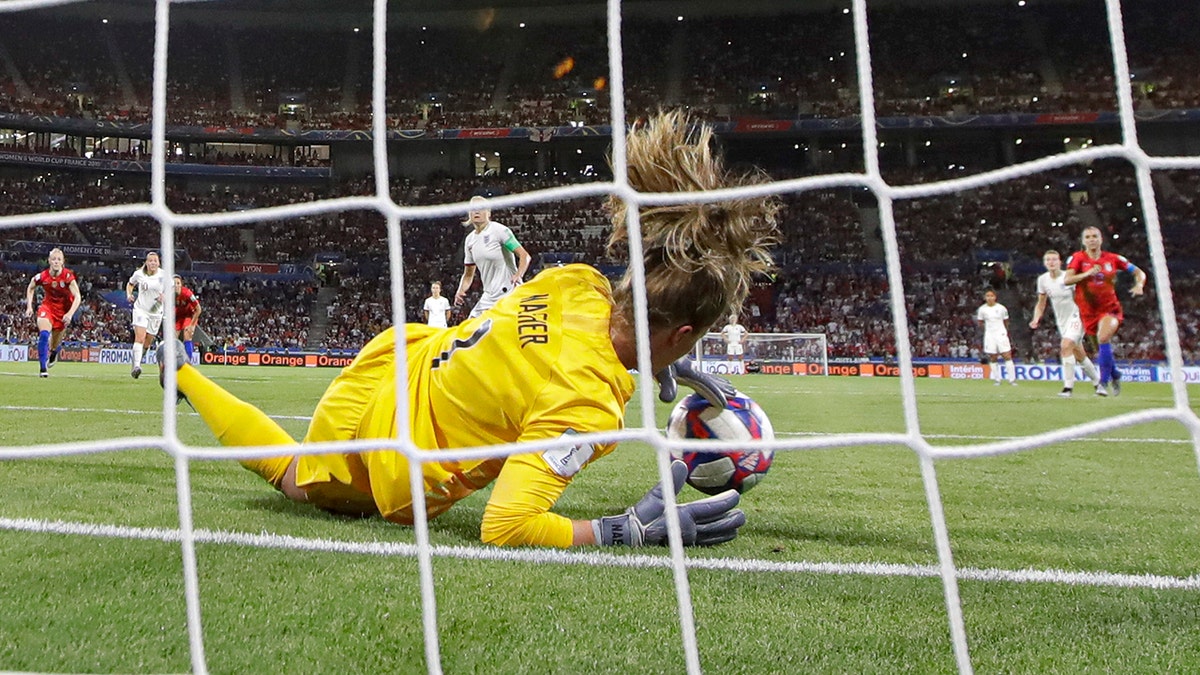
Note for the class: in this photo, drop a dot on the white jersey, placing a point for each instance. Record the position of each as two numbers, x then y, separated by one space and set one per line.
489 251
437 308
733 333
995 333
993 318
150 289
1062 300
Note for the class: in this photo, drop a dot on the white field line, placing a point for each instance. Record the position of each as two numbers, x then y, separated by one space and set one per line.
306 418
600 559
45 408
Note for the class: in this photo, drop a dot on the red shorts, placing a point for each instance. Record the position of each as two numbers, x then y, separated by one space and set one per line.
1091 320
55 314
186 321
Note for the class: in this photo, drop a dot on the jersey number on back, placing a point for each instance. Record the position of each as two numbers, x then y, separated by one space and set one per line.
463 344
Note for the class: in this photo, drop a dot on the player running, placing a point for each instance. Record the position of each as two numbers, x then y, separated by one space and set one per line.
187 315
150 282
549 361
993 317
60 301
1094 273
491 247
1061 298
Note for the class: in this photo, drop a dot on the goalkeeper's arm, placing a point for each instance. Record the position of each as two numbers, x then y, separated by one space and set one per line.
518 513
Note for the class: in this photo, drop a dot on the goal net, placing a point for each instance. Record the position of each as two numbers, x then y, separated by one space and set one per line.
679 565
769 353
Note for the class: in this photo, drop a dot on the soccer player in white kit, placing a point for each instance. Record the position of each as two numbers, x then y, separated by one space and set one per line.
1061 298
492 248
151 284
993 316
437 307
732 333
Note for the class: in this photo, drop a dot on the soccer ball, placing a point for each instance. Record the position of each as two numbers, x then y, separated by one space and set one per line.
720 470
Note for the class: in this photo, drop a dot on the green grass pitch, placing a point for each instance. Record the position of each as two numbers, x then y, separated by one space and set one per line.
1125 503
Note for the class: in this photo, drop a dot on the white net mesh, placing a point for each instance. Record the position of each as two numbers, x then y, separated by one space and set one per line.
187 535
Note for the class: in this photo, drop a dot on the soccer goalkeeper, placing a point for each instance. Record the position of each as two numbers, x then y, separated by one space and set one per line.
549 360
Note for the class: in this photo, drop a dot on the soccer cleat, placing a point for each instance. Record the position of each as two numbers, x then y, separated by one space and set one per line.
43 373
1116 387
53 359
997 383
1101 390
1013 383
1065 393
136 372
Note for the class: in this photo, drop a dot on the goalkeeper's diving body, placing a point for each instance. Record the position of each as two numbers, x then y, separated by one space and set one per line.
549 360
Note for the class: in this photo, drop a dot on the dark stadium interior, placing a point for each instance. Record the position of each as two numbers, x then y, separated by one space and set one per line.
266 106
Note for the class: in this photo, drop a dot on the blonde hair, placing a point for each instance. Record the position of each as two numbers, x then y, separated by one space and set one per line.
478 203
148 254
700 259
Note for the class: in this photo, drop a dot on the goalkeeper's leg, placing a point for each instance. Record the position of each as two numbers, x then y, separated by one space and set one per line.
235 422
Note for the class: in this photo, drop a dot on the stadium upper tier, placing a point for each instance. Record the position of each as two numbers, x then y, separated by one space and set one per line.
1045 57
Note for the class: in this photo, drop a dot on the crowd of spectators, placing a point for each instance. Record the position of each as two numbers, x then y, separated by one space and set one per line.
830 277
239 312
256 312
985 58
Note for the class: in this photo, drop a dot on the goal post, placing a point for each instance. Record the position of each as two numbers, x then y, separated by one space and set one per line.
773 353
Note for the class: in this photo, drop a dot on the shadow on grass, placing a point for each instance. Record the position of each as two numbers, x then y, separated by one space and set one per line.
455 527
855 536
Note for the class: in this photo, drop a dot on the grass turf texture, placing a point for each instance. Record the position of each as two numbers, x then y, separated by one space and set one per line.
1127 502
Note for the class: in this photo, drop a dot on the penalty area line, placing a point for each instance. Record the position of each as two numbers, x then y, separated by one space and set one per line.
975 437
114 411
600 559
307 418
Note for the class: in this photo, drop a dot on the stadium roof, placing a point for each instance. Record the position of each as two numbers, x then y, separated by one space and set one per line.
294 9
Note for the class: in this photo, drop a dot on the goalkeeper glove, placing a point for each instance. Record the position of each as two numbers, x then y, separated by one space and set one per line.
181 360
714 388
709 521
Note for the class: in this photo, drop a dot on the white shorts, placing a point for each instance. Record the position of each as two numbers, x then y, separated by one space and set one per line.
1072 329
996 344
487 301
734 349
479 308
151 322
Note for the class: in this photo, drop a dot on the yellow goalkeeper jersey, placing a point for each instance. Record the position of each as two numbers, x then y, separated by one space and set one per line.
538 365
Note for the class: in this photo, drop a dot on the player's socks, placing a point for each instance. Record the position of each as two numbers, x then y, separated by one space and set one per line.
43 348
1011 375
138 350
1068 374
235 422
188 349
1104 358
1089 369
